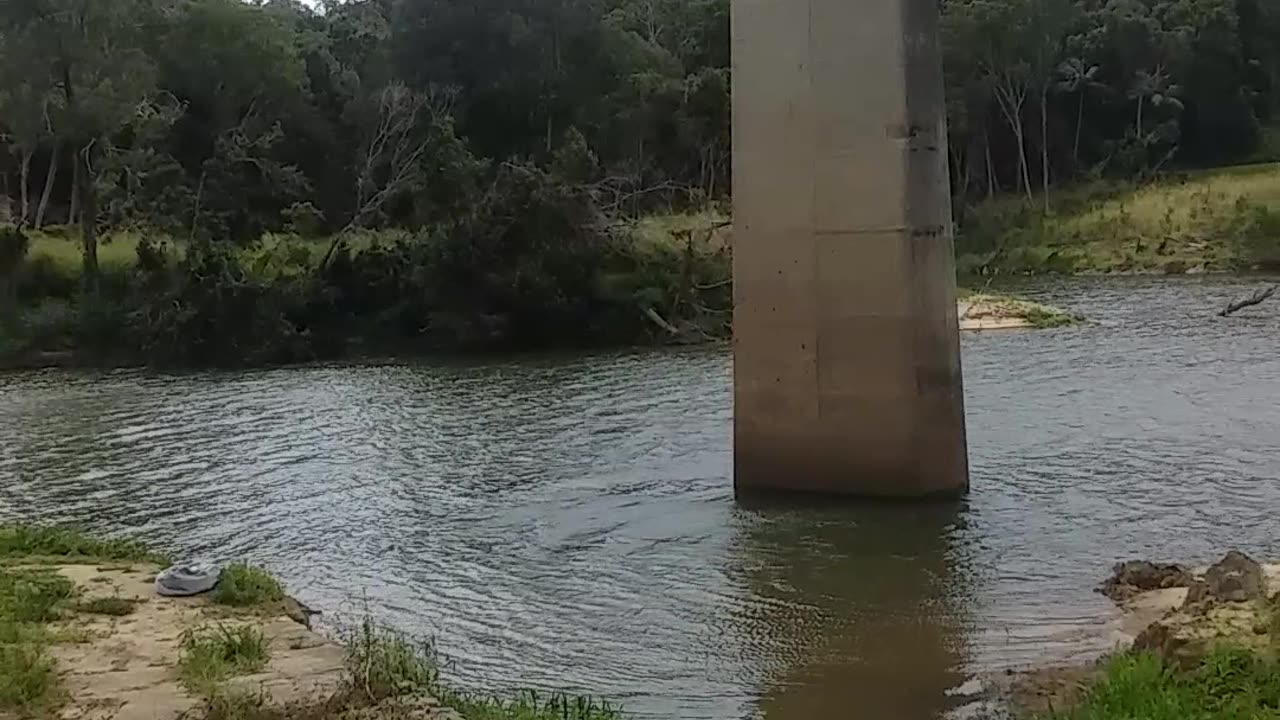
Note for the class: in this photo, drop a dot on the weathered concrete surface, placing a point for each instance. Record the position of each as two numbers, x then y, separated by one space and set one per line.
847 361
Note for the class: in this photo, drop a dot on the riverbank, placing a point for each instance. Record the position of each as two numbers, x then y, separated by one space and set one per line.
1197 643
84 635
660 281
1221 220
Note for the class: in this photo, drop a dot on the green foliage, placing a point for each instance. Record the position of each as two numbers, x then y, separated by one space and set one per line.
29 676
28 598
213 654
244 585
26 541
530 705
1229 683
33 596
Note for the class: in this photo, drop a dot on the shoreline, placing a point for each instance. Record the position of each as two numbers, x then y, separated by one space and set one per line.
85 634
977 312
1178 619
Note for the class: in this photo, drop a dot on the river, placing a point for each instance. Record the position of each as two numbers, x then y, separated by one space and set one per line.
570 522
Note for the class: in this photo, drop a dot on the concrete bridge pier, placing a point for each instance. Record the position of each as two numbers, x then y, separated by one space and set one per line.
846 347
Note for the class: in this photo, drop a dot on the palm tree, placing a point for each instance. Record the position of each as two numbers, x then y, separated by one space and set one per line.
1156 86
1077 77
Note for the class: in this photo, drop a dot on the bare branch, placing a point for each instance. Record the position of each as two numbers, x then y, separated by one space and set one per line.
1257 298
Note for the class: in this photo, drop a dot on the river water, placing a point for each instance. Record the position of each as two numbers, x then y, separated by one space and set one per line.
570 523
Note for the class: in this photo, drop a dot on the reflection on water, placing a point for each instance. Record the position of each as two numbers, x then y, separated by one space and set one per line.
872 600
570 523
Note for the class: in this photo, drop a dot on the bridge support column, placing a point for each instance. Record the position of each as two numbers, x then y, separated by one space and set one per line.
846 348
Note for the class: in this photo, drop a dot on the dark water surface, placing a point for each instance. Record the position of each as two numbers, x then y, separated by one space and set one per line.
570 523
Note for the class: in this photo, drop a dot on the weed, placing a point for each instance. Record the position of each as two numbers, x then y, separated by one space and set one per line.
213 654
116 606
384 664
244 585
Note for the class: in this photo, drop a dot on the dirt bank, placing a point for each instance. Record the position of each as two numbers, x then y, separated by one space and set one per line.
985 311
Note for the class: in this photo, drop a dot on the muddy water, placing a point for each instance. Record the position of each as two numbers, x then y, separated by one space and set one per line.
569 522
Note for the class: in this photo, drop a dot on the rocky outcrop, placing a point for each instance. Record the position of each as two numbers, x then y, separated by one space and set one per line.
1138 576
1235 578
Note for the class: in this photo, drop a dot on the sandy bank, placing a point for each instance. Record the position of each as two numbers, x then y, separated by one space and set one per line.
126 667
985 311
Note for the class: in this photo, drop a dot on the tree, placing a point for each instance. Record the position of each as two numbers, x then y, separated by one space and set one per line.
1076 77
93 54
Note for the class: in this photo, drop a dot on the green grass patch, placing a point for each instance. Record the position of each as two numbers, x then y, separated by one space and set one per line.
27 543
213 654
33 596
114 606
1214 220
29 599
1230 683
28 678
244 585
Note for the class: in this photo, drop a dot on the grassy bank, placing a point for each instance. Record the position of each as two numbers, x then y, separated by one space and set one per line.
381 674
1229 684
1212 221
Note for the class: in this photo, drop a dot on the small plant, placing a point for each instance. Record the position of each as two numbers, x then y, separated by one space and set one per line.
384 663
115 606
210 655
244 585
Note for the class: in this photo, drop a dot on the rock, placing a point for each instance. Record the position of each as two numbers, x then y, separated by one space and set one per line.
1171 644
1197 594
1235 578
298 612
1136 576
1197 270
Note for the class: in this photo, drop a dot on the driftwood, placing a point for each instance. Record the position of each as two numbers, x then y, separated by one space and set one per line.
1257 298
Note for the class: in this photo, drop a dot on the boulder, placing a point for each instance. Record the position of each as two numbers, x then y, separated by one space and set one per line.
1138 576
1235 578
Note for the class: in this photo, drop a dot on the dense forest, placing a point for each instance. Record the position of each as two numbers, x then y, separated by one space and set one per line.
466 173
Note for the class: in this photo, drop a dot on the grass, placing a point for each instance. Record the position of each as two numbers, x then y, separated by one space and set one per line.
39 543
213 654
113 606
29 598
1215 220
1228 684
244 585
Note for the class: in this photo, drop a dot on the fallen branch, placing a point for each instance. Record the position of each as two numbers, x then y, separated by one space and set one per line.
1257 298
657 320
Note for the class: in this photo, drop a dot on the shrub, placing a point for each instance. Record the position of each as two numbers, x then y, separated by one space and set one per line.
244 585
385 664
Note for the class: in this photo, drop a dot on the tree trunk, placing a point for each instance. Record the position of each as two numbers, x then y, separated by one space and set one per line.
1044 147
49 178
73 212
88 219
1141 99
1075 148
1024 178
991 168
24 194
